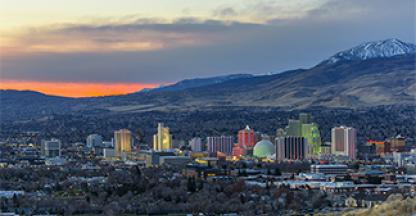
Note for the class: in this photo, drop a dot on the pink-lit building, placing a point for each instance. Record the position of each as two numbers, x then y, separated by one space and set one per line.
246 142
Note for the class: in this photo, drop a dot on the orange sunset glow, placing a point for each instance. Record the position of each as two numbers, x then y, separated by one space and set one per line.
72 89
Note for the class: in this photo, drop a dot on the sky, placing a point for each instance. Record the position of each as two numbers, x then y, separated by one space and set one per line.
82 48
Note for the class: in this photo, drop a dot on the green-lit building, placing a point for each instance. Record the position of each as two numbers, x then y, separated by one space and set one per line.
294 128
305 127
305 118
313 138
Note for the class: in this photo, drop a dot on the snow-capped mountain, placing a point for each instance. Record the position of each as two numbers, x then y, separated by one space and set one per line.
348 84
376 49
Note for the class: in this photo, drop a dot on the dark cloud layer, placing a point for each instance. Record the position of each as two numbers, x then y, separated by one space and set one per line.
231 47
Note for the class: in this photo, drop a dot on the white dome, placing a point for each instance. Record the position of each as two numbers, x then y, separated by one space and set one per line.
263 149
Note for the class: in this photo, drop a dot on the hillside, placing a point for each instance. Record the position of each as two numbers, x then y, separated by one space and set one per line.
374 82
371 74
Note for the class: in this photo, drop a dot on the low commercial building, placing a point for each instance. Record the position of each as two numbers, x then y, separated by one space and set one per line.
334 169
208 161
152 158
176 161
109 153
51 148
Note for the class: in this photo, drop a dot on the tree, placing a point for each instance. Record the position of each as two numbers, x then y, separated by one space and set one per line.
277 171
16 201
191 184
200 184
138 172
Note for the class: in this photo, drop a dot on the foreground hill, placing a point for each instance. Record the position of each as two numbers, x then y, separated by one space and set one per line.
390 207
371 74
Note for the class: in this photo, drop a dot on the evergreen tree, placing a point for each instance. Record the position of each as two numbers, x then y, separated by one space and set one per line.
191 184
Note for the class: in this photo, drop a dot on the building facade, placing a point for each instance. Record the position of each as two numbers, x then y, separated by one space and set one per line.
343 141
311 133
397 144
337 169
222 144
381 148
290 148
94 140
196 144
305 127
51 148
162 140
245 142
122 141
294 128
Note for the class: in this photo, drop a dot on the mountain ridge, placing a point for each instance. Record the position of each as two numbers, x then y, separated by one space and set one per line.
375 49
355 83
197 82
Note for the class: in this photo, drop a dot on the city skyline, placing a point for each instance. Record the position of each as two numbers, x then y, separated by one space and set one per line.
208 107
95 48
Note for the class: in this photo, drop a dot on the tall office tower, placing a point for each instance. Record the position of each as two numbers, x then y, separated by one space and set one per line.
343 141
311 133
246 137
51 148
294 128
94 140
222 144
122 141
290 148
280 132
305 127
162 140
245 143
196 144
305 118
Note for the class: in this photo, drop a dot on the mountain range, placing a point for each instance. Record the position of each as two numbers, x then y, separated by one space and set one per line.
371 74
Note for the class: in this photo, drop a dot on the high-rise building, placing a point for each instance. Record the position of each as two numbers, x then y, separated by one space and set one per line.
280 132
305 118
122 141
51 148
305 127
311 133
246 137
343 141
196 144
245 142
222 144
291 148
294 128
162 140
94 140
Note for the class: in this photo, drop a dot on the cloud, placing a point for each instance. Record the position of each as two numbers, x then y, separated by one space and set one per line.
140 35
225 12
262 10
157 50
